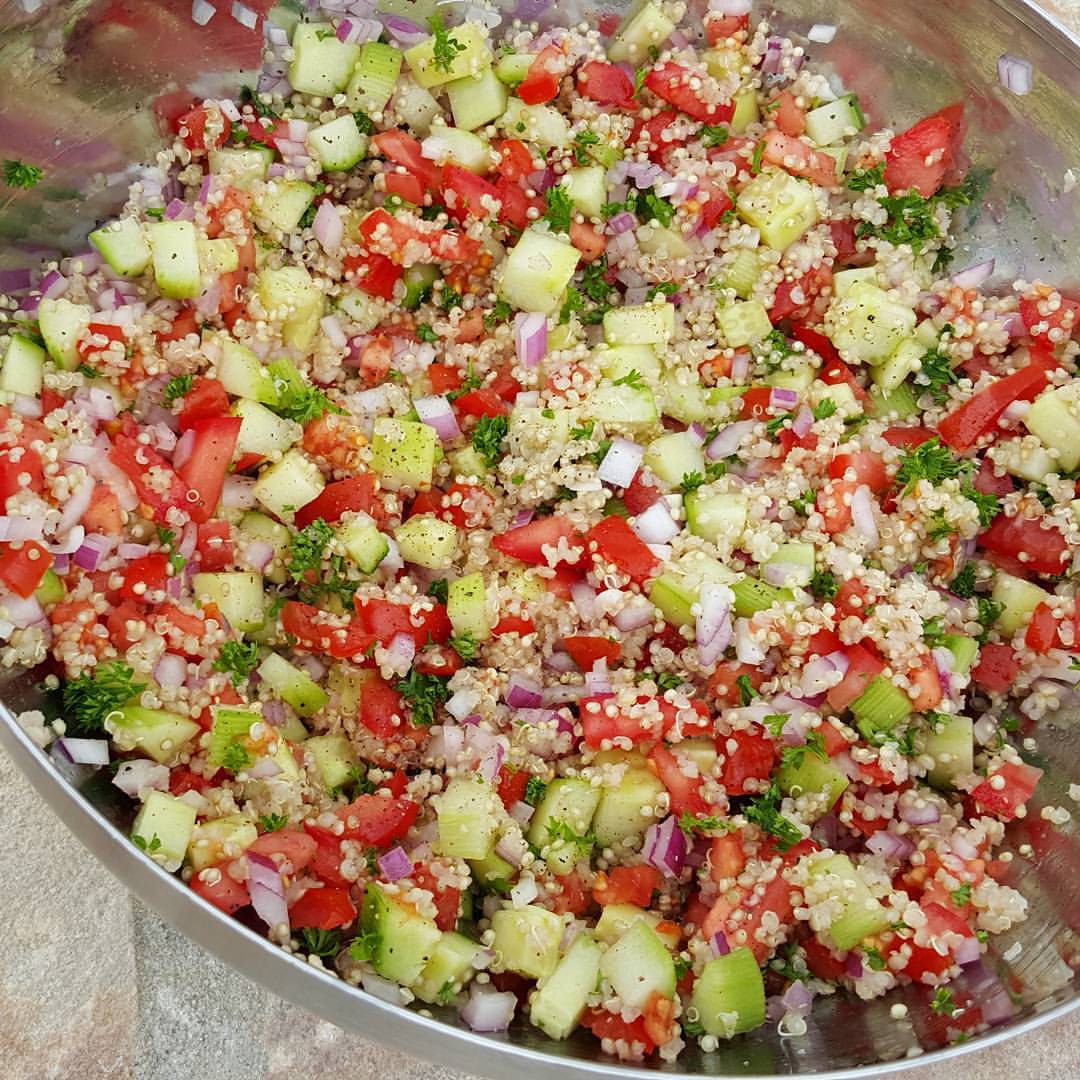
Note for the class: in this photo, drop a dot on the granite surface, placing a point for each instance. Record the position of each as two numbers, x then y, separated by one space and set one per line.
94 985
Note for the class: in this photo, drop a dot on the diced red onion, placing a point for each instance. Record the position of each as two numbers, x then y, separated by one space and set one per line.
460 704
178 210
1015 74
188 539
22 611
400 653
890 846
13 281
258 554
621 223
171 670
52 285
697 432
967 951
237 493
821 33
598 682
853 965
770 61
727 441
747 649
488 1010
926 814
490 763
803 422
24 405
522 812
998 1007
820 675
69 543
185 446
209 300
403 30
524 892
20 527
530 337
328 229
786 574
437 413
263 769
94 546
797 998
584 597
84 751
132 777
394 864
782 398
713 628
943 664
719 944
665 847
523 693
633 616
621 463
244 15
266 890
560 661
974 277
862 516
655 525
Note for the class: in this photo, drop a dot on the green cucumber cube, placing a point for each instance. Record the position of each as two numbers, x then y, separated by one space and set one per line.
952 746
403 452
744 323
643 324
163 828
339 145
673 456
746 111
797 561
363 543
570 803
675 600
449 969
557 1006
243 374
906 359
63 325
720 518
223 838
537 271
123 246
415 105
321 64
154 732
427 541
622 407
476 100
472 55
280 204
753 595
218 256
1054 417
963 649
512 68
729 994
374 77
1018 599
467 818
457 146
263 432
902 403
616 919
294 686
639 965
539 124
334 757
492 873
241 166
51 590
835 121
811 775
176 259
645 28
742 274
238 595
778 205
845 280
861 914
289 484
618 361
466 606
587 188
23 371
527 940
289 294
866 325
402 941
619 813
1026 458
880 707
686 401
662 241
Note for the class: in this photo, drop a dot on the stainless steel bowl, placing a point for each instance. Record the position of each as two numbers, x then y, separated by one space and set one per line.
77 82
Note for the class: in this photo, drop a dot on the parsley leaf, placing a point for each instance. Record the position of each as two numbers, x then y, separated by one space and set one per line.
963 584
364 124
238 658
648 206
235 757
865 179
937 528
560 209
700 823
755 160
633 378
423 693
825 408
273 822
582 140
445 46
943 1002
764 812
929 461
322 943
988 612
932 631
746 692
17 174
439 590
874 960
535 789
962 895
307 547
713 134
936 372
662 288
303 402
89 699
175 388
823 585
464 645
148 846
988 505
561 832
425 333
487 438
792 756
364 945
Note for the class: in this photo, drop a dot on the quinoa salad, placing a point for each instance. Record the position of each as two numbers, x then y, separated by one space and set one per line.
535 525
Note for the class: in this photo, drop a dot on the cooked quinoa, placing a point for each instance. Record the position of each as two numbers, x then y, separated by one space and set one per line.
534 516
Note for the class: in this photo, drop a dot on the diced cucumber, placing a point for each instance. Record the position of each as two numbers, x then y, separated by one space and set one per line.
472 54
673 456
675 600
403 452
866 325
643 324
906 359
616 919
339 145
415 105
427 541
639 965
468 463
281 204
845 280
619 814
540 124
616 362
467 818
621 407
797 561
289 294
123 246
289 484
1026 458
492 873
862 914
720 518
662 241
476 100
835 121
811 775
163 828
466 606
374 77
63 325
223 838
457 146
1018 599
753 595
900 403
689 402
746 111
951 743
176 259
449 969
334 757
402 941
537 270
263 432
729 994
527 940
295 687
218 256
231 728
241 166
963 649
742 274
418 283
799 377
880 707
512 68
242 373
322 64
570 803
720 62
587 188
23 371
51 589
238 595
1054 417
779 205
363 543
644 28
159 734
557 1006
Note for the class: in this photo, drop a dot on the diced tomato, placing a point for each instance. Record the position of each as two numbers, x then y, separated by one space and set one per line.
23 567
868 467
375 273
1044 549
183 324
997 668
799 159
586 650
751 759
656 140
852 598
483 401
515 160
405 186
527 541
921 157
907 437
608 1025
978 416
443 378
205 400
205 468
626 885
541 82
157 486
345 639
754 403
385 619
513 624
796 299
562 584
403 149
616 542
821 962
727 857
376 821
221 889
90 344
325 908
588 239
382 711
989 483
514 203
118 618
671 83
145 576
398 235
511 785
358 493
182 779
447 899
684 791
1065 319
505 385
572 898
834 504
214 546
293 846
863 666
195 133
775 898
715 202
789 118
719 27
606 84
464 193
723 685
177 624
639 496
843 238
823 643
925 691
1041 634
326 865
20 469
438 660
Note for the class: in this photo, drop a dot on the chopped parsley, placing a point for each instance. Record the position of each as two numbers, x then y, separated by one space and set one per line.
273 822
929 461
792 756
755 160
665 680
874 960
88 371
500 312
746 692
962 896
560 209
148 846
535 789
942 1002
364 945
235 757
932 631
423 693
464 645
713 134
937 528
963 584
307 218
561 832
633 378
449 298
764 812
936 372
776 722
307 547
583 140
865 179
322 943
701 823
155 213
425 333
823 585
662 288
600 452
804 503
238 658
648 206
487 438
89 699
682 966
302 402
988 612
365 125
583 432
988 505
439 590
825 408
446 992
445 46
176 387
18 174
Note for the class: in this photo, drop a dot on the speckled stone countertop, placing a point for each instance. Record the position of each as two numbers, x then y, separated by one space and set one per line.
94 985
